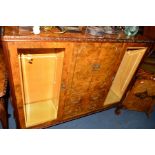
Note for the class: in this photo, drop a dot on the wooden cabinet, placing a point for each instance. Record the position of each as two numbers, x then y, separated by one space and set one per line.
53 81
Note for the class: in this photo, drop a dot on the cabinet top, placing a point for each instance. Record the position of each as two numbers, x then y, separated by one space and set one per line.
13 33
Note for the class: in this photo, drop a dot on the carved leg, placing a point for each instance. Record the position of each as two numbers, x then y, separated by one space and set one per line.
3 114
117 111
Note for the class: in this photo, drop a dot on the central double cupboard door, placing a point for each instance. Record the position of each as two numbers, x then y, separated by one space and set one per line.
93 70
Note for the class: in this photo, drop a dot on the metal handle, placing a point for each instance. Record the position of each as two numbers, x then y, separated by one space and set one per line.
96 67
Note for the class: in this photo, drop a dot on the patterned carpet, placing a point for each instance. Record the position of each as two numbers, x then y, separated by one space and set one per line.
103 120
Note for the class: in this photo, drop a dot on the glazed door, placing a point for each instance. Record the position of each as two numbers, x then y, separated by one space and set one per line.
41 77
124 74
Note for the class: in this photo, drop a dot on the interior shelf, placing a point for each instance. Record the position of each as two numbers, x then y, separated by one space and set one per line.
40 112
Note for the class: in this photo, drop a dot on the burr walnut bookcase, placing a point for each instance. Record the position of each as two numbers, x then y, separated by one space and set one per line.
59 77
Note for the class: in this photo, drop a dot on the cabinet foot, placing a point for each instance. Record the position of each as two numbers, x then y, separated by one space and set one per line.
118 109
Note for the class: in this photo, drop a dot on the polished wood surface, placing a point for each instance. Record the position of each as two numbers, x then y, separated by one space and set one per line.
3 74
85 56
141 96
104 71
149 31
13 33
89 66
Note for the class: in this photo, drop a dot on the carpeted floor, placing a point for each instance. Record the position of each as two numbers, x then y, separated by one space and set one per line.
103 120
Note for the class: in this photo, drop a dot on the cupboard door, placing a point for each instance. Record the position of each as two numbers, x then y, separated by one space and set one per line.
41 77
104 71
124 74
86 55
